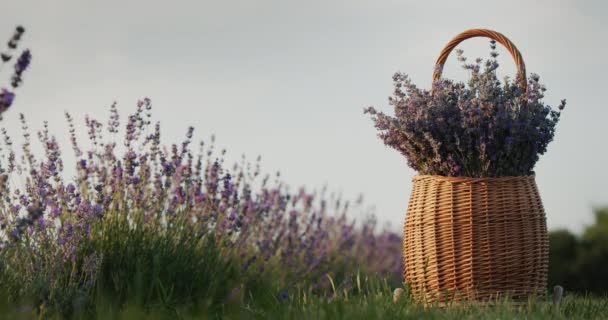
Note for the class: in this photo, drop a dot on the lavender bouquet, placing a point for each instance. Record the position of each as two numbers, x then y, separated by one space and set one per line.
479 129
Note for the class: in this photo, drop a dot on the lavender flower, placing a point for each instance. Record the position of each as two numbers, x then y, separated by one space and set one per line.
6 99
23 62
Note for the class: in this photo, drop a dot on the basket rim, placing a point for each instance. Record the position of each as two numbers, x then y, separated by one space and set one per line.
472 179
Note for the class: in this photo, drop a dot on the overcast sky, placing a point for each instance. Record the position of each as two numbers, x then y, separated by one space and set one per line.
288 80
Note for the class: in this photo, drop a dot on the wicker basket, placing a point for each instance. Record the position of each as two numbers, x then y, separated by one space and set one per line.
475 239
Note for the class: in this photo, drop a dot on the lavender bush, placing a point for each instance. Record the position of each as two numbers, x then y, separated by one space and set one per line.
478 129
143 221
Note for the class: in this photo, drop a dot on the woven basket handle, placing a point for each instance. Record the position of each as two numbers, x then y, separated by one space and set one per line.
499 37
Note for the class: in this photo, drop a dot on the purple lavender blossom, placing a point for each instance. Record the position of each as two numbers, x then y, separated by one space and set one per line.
20 66
6 99
23 62
481 129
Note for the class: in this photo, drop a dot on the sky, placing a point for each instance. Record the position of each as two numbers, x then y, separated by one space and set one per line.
288 80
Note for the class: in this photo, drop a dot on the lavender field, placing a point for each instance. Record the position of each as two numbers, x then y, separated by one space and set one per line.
170 225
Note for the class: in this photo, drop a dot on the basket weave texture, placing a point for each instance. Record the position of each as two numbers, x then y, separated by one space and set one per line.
475 239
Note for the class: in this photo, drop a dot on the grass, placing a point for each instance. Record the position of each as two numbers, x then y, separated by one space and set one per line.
187 275
182 275
374 304
379 306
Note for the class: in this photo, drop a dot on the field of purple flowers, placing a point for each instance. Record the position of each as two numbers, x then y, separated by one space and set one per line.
139 217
